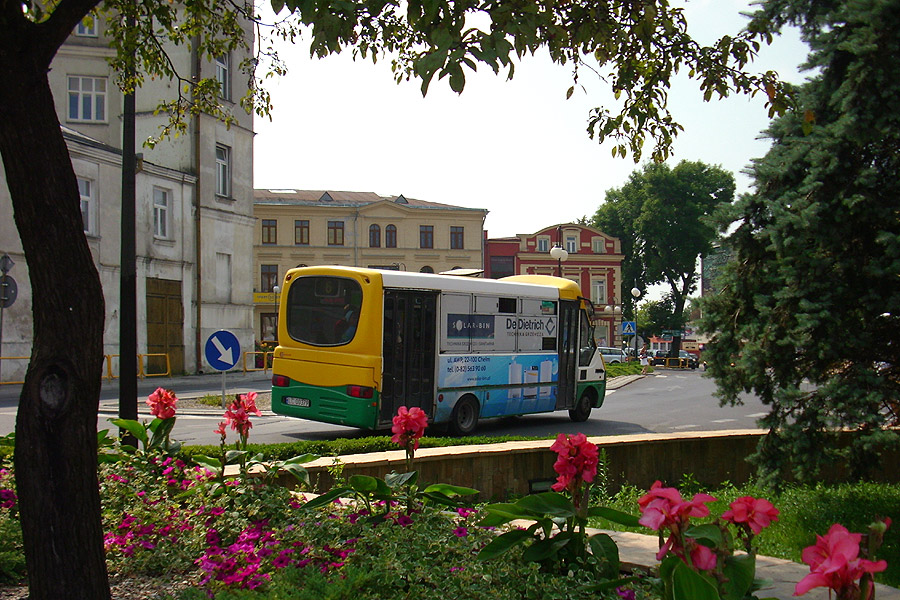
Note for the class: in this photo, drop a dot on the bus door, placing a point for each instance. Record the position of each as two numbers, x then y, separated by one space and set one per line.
409 350
568 353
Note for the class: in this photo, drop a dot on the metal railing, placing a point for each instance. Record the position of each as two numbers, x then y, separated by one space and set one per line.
267 357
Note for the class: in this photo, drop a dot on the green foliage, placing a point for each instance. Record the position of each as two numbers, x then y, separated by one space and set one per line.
656 316
809 307
661 215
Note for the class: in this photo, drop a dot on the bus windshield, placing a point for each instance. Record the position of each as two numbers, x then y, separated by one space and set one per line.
323 311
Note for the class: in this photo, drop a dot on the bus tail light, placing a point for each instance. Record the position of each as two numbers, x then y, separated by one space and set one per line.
281 381
360 391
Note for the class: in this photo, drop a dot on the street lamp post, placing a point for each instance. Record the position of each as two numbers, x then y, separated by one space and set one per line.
637 294
560 254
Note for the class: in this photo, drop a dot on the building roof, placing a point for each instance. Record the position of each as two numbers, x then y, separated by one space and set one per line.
344 199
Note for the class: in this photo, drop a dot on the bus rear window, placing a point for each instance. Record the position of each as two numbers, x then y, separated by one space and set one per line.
323 311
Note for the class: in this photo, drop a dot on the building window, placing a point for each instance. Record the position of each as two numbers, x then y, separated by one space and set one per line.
599 246
426 236
87 28
374 236
301 233
86 191
598 292
223 170
335 233
269 231
87 99
269 278
268 327
426 269
456 238
161 213
223 75
502 266
390 236
571 244
543 244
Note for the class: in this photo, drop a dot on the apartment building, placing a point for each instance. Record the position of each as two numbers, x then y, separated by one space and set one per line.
194 206
313 227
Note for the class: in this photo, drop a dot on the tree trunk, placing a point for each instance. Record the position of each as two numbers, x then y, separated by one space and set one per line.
56 424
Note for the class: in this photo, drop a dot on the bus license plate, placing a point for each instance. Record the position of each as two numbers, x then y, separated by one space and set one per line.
292 401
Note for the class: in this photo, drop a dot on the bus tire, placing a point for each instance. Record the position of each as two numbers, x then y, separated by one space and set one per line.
582 410
464 417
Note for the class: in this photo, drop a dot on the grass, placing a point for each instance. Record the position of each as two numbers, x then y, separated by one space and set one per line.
806 510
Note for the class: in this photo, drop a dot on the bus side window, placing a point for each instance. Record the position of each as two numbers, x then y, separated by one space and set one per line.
586 335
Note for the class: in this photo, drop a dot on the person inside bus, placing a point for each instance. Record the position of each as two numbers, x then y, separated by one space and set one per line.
352 324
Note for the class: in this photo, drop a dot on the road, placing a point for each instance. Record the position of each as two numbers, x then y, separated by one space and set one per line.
667 401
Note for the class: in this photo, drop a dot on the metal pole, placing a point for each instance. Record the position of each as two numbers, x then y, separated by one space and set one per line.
223 390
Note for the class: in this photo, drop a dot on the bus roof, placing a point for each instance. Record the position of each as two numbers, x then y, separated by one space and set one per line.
535 286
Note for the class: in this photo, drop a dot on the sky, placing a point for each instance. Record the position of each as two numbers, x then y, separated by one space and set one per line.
515 147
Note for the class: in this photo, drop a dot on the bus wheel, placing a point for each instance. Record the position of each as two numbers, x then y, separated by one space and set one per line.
582 410
464 417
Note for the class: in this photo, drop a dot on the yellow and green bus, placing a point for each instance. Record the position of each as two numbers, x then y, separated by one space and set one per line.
355 344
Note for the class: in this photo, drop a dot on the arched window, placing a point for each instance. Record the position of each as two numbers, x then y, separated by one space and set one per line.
426 269
374 236
390 236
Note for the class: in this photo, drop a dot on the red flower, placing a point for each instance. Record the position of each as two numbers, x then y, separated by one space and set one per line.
834 563
576 461
162 403
664 507
221 429
756 513
238 414
409 426
703 558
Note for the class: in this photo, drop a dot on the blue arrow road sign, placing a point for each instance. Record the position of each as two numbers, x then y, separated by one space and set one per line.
629 327
222 350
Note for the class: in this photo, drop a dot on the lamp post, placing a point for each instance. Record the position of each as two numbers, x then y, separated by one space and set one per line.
276 289
637 294
560 254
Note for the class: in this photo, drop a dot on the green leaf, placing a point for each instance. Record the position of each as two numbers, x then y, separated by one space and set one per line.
365 484
547 547
299 460
160 428
395 480
605 548
499 514
327 498
450 490
277 6
133 427
548 503
688 584
739 571
213 464
616 516
503 543
299 473
707 532
235 456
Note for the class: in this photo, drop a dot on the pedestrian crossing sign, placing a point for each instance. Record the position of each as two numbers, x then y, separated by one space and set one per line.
629 327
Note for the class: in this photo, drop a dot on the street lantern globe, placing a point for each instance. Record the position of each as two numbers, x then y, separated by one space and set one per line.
558 253
635 292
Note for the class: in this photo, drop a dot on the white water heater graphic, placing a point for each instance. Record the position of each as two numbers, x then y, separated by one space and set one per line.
531 376
515 379
546 376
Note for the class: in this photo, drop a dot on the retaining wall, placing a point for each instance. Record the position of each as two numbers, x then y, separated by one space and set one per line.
516 468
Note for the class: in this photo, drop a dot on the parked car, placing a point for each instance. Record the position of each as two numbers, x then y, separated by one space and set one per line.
693 361
612 355
658 357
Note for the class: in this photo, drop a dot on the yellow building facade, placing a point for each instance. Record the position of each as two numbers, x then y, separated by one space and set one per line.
317 227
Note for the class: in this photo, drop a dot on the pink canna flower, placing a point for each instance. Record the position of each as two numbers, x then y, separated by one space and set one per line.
409 425
755 513
576 461
834 563
703 558
162 403
664 507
